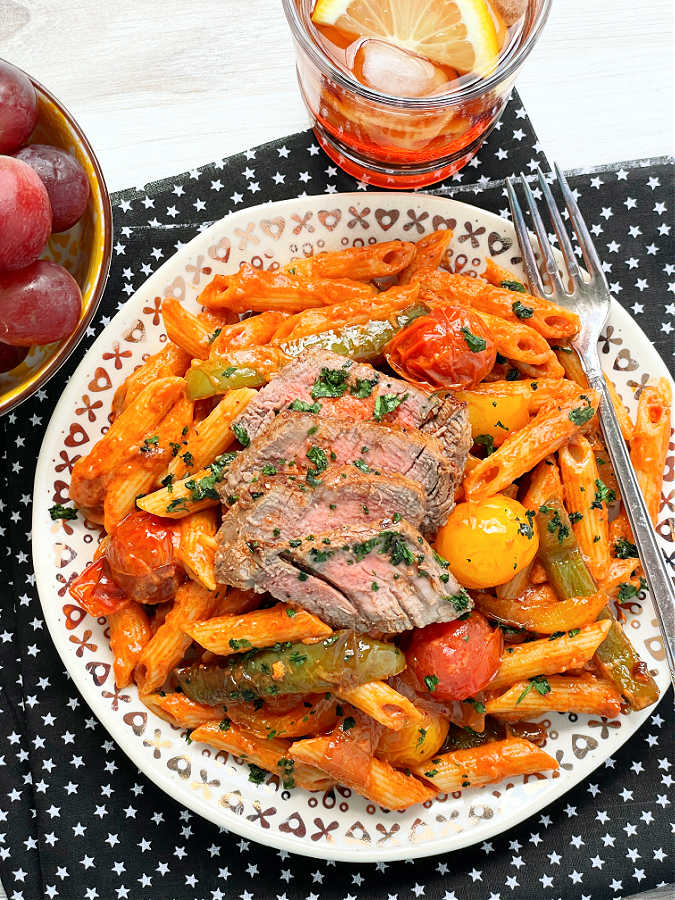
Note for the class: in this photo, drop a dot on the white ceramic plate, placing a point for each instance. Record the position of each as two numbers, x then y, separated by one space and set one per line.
337 824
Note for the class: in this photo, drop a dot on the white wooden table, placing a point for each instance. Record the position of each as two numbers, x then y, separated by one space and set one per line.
162 87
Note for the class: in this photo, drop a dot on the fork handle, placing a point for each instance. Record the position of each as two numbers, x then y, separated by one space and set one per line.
654 565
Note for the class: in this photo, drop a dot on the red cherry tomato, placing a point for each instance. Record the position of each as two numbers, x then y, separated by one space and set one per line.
449 348
95 591
455 660
141 558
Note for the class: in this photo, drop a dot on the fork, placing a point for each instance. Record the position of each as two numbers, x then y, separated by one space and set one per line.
589 297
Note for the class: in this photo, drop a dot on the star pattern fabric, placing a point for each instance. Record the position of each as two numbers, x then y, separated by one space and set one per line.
79 822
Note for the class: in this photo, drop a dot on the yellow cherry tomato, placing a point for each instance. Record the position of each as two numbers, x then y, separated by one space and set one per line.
414 743
494 415
486 543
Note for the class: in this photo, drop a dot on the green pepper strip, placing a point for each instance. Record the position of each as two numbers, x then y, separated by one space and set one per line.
343 658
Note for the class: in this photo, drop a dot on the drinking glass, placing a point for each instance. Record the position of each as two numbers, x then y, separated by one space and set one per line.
403 142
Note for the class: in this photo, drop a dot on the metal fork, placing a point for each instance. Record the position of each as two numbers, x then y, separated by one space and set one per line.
589 297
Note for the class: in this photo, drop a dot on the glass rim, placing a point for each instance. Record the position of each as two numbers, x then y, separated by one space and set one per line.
323 62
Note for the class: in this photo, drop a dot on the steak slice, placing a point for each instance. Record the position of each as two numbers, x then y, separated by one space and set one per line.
358 391
360 577
286 510
296 442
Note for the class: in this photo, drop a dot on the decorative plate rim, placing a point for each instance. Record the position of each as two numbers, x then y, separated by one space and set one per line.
112 721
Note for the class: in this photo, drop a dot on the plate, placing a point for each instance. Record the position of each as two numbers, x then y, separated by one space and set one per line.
337 824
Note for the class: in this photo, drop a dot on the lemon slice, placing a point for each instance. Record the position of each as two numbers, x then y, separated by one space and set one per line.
456 33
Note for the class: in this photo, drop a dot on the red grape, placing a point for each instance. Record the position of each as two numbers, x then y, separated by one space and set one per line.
18 107
25 214
38 304
10 356
65 180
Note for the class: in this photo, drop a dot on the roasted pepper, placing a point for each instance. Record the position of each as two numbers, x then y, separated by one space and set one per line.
343 658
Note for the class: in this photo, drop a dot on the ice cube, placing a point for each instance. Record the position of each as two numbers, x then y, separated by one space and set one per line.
392 70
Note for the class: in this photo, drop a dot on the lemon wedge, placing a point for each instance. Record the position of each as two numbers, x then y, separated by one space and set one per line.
456 33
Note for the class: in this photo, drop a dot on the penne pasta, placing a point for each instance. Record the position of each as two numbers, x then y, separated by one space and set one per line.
262 628
587 499
547 618
558 653
376 780
268 753
545 484
311 714
496 275
358 263
522 344
569 360
180 711
649 441
169 643
196 547
346 313
211 436
553 322
255 331
622 414
520 452
485 764
143 471
382 703
263 289
125 435
557 693
129 633
429 252
169 361
188 331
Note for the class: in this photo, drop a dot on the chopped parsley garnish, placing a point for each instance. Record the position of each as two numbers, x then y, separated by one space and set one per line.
574 632
188 459
269 469
318 457
319 556
374 586
290 612
555 523
431 773
603 494
386 403
513 286
174 448
62 512
241 434
473 342
228 372
556 635
302 576
360 464
576 517
330 383
214 335
627 590
297 657
179 503
256 774
487 441
149 443
478 706
225 725
239 644
525 528
431 681
286 766
522 311
363 387
581 414
460 600
441 560
396 517
205 488
302 406
422 735
623 549
539 683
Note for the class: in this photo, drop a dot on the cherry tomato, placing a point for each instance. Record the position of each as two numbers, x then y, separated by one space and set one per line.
455 660
488 542
95 591
449 348
141 558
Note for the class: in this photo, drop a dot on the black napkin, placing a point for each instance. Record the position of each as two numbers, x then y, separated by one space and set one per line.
77 820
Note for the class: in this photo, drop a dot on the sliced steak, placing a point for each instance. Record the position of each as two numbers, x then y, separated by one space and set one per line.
297 442
356 577
283 510
341 388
